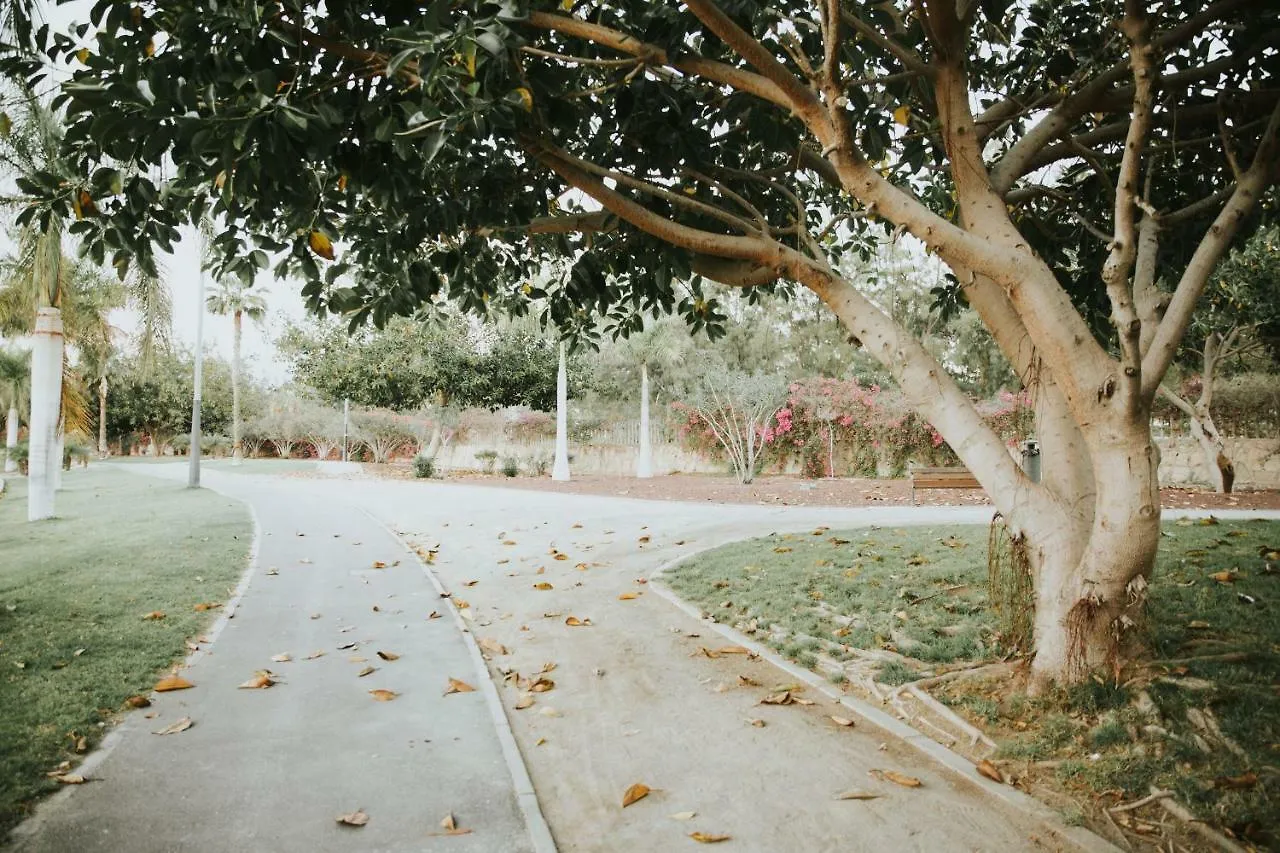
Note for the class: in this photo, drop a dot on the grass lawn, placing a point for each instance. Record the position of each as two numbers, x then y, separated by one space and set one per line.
1202 718
73 593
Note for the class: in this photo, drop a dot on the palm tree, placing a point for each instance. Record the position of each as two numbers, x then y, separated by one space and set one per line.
15 373
657 347
234 297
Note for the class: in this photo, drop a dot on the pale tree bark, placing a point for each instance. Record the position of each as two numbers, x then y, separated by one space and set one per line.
644 462
11 441
237 450
1218 466
46 397
102 418
1092 526
437 429
560 469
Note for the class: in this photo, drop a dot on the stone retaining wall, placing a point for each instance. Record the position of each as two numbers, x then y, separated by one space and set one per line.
1257 462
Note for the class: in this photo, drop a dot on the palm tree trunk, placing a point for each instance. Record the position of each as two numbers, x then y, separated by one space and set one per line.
644 465
560 470
237 453
102 418
46 398
11 441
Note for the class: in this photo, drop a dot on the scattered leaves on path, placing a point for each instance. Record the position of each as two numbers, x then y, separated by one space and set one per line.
898 778
857 794
262 679
492 646
634 794
173 682
356 818
986 768
542 685
388 655
368 670
708 837
457 686
575 622
783 698
383 695
153 616
525 700
176 727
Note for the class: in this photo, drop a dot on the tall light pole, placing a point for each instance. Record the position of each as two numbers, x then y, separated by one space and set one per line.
193 472
560 469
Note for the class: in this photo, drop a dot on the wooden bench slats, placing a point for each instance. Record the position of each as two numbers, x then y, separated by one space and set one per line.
941 478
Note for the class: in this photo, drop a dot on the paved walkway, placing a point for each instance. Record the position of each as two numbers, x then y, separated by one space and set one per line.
633 700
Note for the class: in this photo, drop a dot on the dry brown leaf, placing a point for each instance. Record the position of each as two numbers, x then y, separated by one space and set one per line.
456 686
434 614
461 604
800 700
575 622
734 650
543 585
542 685
1224 577
783 698
138 702
70 779
345 646
388 655
82 744
175 727
470 583
449 822
492 646
683 815
261 681
560 556
628 596
643 540
508 541
524 701
901 779
356 818
747 681
383 695
986 768
842 721
759 724
634 794
379 564
1242 782
708 837
856 794
316 654
282 658
154 616
208 605
173 682
368 670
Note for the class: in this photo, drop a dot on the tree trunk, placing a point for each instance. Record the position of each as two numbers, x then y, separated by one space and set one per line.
1222 473
237 452
437 430
560 470
59 456
644 464
11 441
1091 585
46 399
102 418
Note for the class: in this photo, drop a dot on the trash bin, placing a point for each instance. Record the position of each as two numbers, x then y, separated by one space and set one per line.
1031 459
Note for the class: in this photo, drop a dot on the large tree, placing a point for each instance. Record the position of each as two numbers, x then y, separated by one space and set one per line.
432 147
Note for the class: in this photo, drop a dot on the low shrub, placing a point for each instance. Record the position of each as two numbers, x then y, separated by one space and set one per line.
510 466
487 459
424 467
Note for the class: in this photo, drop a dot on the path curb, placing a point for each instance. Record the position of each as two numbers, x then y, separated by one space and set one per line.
1078 837
526 797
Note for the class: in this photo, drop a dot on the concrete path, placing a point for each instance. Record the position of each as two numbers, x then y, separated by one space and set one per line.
270 770
633 699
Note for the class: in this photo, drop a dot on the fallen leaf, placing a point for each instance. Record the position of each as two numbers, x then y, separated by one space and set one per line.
575 622
192 647
461 604
316 654
175 727
549 712
209 605
345 646
449 822
282 658
986 768
315 616
356 818
434 614
379 564
842 721
683 816
470 583
783 698
524 701
800 700
82 744
492 646
1224 577
734 650
543 585
1237 783
173 682
759 724
456 686
900 778
856 794
388 655
708 837
357 659
273 572
261 681
70 779
634 794
383 695
368 670
138 702
542 685
628 596
154 616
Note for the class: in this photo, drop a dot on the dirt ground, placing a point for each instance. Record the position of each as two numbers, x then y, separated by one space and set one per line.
794 491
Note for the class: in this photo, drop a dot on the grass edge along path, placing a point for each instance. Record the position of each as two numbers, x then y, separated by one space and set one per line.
1202 719
75 595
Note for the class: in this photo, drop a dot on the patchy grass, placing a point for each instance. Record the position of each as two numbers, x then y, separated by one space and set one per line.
1201 719
73 591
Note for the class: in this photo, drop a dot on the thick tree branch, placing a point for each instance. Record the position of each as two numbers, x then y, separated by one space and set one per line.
1249 189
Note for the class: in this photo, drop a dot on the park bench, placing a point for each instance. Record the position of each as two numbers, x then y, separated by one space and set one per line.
941 478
